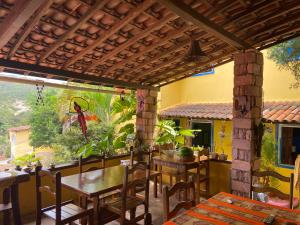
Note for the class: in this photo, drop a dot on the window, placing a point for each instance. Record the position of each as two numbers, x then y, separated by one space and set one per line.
208 72
203 138
177 123
288 144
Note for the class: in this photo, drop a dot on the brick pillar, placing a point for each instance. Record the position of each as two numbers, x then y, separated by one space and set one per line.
247 106
146 115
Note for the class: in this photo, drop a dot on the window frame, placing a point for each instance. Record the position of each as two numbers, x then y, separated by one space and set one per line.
211 122
211 71
279 144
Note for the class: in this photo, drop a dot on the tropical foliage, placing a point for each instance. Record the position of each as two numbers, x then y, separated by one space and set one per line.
287 57
167 133
26 160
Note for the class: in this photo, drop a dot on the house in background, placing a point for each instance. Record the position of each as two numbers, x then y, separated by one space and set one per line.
204 101
19 141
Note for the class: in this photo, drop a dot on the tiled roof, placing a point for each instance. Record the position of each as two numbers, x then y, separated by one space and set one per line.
21 128
281 112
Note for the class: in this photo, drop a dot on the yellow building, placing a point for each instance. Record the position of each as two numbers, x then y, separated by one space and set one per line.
19 141
204 102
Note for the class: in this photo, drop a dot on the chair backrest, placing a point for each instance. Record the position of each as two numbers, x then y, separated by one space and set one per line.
186 204
100 159
136 176
55 192
5 185
148 155
266 175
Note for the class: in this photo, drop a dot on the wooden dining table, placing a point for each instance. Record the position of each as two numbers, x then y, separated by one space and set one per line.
225 208
95 183
182 167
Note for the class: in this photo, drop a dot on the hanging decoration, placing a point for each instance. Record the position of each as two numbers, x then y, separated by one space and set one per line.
81 119
40 99
195 53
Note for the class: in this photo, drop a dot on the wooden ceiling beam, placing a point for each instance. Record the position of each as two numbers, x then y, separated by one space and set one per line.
171 61
189 14
16 18
171 35
171 80
29 26
118 25
133 40
187 72
91 11
161 74
69 74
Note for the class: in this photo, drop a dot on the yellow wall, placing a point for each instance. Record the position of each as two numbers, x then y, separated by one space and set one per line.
218 87
21 146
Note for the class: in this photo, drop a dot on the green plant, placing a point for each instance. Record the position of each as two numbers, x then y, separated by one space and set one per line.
268 156
286 56
167 133
26 160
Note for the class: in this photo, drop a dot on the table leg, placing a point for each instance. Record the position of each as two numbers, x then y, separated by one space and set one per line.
198 185
155 187
96 207
185 180
83 204
160 180
15 204
6 216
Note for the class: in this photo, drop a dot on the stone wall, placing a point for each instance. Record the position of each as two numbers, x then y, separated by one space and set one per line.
146 115
247 106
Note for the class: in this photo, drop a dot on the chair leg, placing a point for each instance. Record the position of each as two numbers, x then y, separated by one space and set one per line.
91 219
132 214
148 219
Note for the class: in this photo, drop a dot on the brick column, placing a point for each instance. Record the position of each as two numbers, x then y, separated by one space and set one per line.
247 106
146 115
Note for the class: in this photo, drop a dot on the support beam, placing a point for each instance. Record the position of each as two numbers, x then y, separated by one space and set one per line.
16 18
92 10
171 34
118 25
189 14
69 74
159 24
29 26
57 85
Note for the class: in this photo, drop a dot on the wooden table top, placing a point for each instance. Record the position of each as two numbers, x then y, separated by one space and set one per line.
97 182
18 176
217 210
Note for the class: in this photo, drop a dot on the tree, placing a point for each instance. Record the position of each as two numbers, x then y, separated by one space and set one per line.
44 121
287 57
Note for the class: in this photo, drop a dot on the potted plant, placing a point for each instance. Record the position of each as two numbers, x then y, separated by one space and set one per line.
185 154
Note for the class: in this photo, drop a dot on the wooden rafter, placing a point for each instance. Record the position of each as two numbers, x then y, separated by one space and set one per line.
21 12
29 26
118 25
188 69
69 74
99 4
175 48
189 14
133 40
171 34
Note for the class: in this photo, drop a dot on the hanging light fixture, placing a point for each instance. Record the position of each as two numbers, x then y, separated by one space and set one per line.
195 54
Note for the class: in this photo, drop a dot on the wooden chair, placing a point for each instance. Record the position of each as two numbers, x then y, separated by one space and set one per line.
148 159
61 212
135 176
99 159
6 206
273 191
204 177
186 204
170 172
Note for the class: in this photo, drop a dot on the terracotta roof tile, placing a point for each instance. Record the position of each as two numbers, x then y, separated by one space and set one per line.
281 112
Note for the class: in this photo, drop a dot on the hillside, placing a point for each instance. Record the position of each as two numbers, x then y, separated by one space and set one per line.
13 109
